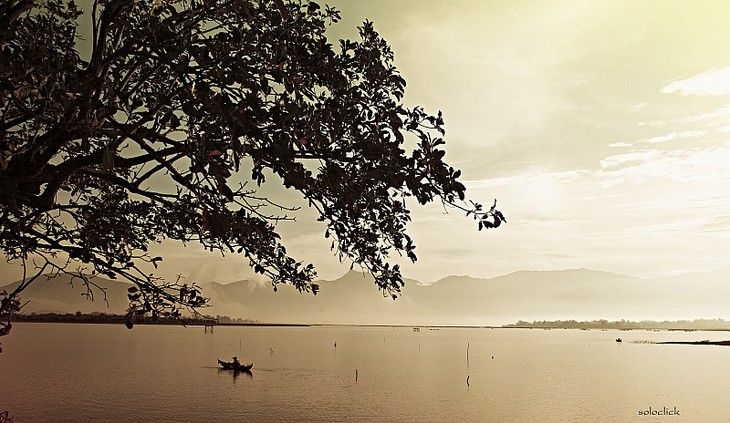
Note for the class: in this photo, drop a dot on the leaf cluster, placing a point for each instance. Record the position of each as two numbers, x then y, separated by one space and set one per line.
184 110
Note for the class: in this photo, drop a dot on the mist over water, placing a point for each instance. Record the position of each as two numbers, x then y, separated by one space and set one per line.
106 373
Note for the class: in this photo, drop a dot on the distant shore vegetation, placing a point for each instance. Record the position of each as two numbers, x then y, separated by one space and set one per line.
97 317
697 324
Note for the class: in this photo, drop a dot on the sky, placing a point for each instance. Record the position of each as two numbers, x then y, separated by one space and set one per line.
602 128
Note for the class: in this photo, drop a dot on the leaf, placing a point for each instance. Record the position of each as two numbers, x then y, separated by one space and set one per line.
174 121
214 86
23 92
500 216
282 9
205 222
225 191
107 159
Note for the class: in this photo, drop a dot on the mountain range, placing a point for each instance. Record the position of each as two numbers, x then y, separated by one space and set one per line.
579 294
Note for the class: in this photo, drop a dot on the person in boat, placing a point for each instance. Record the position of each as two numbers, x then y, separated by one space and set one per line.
236 363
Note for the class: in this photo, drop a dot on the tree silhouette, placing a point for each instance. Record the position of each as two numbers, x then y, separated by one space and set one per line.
181 113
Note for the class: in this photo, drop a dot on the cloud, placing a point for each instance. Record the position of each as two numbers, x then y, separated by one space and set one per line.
679 135
688 165
722 112
602 197
713 82
527 179
634 158
675 135
719 224
654 123
620 145
716 117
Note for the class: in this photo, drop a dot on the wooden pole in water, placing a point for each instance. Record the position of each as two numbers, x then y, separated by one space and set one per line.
467 352
356 375
467 380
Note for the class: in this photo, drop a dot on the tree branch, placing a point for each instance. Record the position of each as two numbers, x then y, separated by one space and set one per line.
13 12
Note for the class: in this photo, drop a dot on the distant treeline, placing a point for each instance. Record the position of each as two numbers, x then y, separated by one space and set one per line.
97 317
697 324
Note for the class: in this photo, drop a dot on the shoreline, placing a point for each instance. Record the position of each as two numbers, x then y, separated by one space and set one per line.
705 342
120 320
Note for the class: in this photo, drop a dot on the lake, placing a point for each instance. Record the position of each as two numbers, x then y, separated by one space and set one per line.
105 373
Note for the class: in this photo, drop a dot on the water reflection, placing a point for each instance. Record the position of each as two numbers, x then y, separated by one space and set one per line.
236 373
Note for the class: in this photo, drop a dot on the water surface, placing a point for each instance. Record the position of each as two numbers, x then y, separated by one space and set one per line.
105 373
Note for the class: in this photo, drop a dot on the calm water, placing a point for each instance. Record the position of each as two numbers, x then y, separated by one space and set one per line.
101 373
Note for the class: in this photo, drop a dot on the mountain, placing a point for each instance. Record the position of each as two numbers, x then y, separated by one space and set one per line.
353 298
579 294
63 294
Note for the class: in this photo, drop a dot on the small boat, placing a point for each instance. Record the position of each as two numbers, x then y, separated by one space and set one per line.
619 340
235 367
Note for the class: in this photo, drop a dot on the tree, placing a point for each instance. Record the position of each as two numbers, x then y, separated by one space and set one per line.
181 113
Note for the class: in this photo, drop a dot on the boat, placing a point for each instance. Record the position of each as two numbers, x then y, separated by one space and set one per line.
619 340
235 367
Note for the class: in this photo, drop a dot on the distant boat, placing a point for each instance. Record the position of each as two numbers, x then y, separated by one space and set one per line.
235 367
618 340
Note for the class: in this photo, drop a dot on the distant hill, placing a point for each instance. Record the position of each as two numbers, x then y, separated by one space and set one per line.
61 294
579 294
353 298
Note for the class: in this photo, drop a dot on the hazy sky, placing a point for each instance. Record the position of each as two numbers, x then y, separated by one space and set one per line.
602 128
